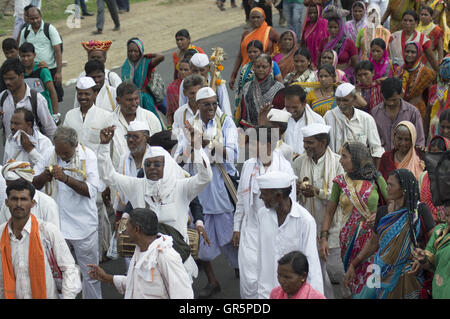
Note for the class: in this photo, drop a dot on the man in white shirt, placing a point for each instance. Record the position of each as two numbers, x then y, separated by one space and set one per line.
283 226
156 270
316 169
33 252
88 120
25 143
18 94
351 124
97 50
199 65
191 84
70 176
302 115
128 110
106 96
45 207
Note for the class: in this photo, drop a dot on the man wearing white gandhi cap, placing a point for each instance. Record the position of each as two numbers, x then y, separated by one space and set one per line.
283 226
199 65
351 124
316 169
280 118
45 207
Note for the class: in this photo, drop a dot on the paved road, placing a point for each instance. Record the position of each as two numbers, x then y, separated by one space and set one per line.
229 41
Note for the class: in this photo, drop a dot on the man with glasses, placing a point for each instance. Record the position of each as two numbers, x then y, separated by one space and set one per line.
394 110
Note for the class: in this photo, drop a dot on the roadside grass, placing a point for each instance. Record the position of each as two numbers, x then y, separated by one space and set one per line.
53 11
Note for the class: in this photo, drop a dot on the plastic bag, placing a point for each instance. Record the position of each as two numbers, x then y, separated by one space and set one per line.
112 250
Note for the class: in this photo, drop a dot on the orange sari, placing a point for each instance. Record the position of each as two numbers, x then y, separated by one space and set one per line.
260 34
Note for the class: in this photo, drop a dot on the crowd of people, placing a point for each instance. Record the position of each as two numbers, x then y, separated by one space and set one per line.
314 182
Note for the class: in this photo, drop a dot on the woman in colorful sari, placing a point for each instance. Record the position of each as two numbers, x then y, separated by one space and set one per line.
246 74
401 226
314 30
437 144
285 52
399 39
321 99
183 40
261 90
358 22
357 192
261 32
344 47
373 30
395 10
173 90
369 89
439 98
416 78
303 72
330 57
404 154
138 68
379 57
433 32
435 257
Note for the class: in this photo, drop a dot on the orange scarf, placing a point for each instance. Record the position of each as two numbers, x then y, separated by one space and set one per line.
260 34
36 264
411 161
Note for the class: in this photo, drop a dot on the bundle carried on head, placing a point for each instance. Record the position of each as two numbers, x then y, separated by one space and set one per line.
332 10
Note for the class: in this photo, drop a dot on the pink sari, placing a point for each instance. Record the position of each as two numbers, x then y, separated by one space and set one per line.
313 33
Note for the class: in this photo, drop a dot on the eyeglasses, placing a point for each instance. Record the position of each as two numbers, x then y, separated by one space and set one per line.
213 104
131 136
154 164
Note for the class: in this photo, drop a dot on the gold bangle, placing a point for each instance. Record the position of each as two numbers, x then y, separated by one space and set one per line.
324 234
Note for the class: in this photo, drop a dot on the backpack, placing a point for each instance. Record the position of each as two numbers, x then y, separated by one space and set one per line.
438 167
33 94
34 81
46 32
179 244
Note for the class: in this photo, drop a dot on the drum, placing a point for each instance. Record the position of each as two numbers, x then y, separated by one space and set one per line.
194 238
125 247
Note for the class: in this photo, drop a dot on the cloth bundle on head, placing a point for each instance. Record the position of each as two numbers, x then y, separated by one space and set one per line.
96 45
204 93
276 115
200 60
13 170
135 126
275 180
85 82
344 89
315 129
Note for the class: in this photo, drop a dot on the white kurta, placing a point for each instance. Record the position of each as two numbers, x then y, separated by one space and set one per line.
89 129
360 128
155 274
51 239
120 146
45 209
285 149
293 135
298 232
245 222
106 98
182 114
176 212
14 149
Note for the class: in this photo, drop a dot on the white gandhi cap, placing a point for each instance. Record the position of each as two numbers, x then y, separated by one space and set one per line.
199 60
204 93
275 180
344 89
85 82
138 126
276 115
314 129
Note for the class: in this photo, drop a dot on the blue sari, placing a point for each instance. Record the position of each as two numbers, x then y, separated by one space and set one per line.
138 74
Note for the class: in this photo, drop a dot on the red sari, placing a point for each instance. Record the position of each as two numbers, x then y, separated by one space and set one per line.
314 33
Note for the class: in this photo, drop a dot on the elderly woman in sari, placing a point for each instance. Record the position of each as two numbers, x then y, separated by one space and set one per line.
260 31
138 68
395 10
358 22
439 99
314 30
408 33
416 80
435 257
437 144
401 226
344 46
404 154
357 192
287 46
432 31
261 90
303 72
371 31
